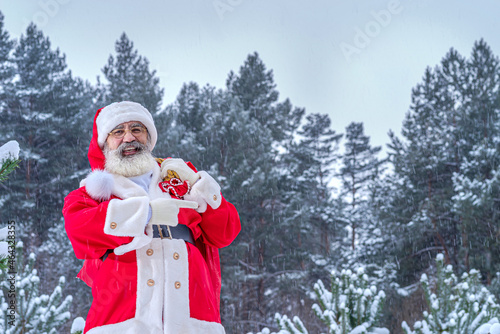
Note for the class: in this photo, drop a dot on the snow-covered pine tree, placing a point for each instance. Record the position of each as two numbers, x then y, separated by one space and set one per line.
44 109
252 126
360 168
9 154
255 88
453 306
128 78
454 108
6 62
475 178
24 309
308 213
235 134
316 153
477 189
9 158
181 124
6 76
352 305
48 112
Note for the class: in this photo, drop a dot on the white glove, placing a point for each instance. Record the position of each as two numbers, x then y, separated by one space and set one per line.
179 166
165 210
205 191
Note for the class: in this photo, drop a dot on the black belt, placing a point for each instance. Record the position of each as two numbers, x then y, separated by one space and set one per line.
173 232
166 232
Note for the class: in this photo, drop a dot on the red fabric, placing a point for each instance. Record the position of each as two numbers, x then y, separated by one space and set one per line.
175 187
95 154
84 223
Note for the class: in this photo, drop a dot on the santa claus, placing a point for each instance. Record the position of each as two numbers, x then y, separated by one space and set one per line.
149 231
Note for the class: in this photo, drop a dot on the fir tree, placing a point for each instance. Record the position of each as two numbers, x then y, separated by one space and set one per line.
455 307
255 88
44 110
129 78
9 154
452 119
360 166
215 130
7 70
351 305
25 310
310 212
48 113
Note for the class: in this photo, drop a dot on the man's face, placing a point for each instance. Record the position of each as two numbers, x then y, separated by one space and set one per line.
126 150
127 132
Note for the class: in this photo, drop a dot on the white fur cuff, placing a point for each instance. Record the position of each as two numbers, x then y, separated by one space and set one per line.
126 218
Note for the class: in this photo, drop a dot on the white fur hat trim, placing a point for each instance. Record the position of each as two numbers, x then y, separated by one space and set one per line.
121 112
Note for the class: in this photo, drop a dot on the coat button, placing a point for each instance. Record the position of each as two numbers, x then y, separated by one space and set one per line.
176 256
149 252
177 285
215 197
151 282
113 225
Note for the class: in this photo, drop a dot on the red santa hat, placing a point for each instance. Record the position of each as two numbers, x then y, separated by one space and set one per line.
121 112
107 118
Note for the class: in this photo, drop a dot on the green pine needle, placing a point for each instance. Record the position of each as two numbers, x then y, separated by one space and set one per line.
3 262
8 167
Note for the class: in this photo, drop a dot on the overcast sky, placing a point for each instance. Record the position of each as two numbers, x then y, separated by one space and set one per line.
355 60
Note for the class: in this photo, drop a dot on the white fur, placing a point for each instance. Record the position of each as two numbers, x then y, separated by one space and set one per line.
99 185
127 217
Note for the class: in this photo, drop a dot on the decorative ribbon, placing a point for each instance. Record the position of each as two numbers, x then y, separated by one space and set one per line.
175 187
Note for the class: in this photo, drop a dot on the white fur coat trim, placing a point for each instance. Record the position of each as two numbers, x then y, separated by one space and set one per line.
101 185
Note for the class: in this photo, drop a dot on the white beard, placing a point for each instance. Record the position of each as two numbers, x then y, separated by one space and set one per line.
128 166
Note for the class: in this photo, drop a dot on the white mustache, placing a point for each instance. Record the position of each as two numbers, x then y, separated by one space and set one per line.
132 145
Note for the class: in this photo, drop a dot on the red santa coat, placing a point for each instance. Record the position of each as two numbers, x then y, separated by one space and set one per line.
166 286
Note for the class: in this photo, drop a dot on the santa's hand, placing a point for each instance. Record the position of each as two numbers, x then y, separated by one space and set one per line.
205 191
164 211
177 168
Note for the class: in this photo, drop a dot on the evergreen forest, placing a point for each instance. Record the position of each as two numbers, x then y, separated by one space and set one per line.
315 205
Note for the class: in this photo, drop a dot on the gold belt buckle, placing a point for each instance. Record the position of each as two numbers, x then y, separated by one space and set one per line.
161 232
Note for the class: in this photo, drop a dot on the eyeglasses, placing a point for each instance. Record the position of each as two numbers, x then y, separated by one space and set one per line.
136 131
